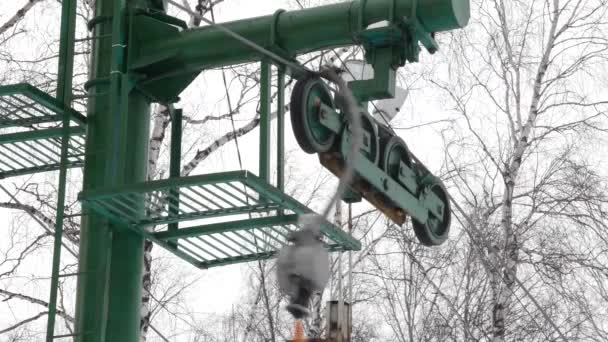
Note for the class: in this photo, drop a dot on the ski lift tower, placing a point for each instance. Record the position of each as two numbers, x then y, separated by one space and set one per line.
141 55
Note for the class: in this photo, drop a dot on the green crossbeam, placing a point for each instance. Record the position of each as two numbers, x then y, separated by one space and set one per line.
38 135
227 227
33 170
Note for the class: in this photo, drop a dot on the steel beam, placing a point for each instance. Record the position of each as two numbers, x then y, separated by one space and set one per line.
39 169
38 135
281 129
265 97
292 33
175 160
95 234
64 96
111 256
227 227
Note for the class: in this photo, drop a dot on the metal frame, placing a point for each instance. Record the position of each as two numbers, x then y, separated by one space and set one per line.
64 98
37 145
205 200
23 105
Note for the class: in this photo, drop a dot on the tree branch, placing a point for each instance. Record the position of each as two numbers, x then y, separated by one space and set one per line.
17 17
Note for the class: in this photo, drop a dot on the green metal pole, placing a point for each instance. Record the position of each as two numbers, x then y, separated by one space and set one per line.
295 32
127 254
175 163
265 94
111 256
131 117
281 129
95 234
64 95
66 52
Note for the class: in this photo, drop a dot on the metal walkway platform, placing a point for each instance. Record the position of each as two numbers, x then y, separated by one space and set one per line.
223 218
30 132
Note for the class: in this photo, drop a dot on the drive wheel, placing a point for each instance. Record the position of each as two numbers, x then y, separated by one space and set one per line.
395 152
435 230
310 134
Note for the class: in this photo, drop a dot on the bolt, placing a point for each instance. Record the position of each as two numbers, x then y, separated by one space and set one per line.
317 102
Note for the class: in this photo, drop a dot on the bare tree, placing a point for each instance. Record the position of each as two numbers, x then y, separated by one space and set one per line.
521 130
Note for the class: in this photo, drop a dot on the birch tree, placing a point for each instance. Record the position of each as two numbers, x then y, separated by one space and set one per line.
523 93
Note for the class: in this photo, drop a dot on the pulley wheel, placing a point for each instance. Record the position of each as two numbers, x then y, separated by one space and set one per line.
370 147
435 230
395 152
310 134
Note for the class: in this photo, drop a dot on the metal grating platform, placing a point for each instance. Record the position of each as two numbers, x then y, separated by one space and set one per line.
223 218
30 132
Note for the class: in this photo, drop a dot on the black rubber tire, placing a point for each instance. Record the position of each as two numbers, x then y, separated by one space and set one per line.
301 120
435 232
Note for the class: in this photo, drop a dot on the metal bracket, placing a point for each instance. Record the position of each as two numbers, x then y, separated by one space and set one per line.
330 118
275 47
407 177
152 78
382 86
362 5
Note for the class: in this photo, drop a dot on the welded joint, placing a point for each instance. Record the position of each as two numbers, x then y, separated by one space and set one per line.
362 6
274 34
276 48
98 20
391 11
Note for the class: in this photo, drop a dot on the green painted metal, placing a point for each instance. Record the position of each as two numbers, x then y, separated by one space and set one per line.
375 175
35 147
281 129
110 265
294 32
265 101
39 151
230 196
95 233
64 96
388 175
127 246
216 228
175 160
382 86
45 134
24 105
130 115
